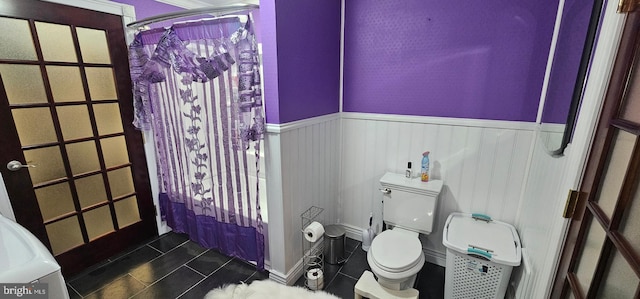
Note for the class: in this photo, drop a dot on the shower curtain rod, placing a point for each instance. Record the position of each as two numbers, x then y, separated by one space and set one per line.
216 11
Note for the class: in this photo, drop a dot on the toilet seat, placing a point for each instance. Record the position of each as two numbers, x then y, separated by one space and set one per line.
396 252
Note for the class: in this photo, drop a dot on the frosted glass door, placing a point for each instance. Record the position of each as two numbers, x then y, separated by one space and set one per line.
66 111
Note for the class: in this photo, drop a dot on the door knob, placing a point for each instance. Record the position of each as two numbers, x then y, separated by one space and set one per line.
17 165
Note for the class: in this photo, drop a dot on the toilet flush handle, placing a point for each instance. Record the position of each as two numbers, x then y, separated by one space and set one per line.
385 191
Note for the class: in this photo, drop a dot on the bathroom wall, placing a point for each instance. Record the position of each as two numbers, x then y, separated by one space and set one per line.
307 44
541 212
566 61
460 79
301 70
310 155
149 8
482 163
478 60
401 58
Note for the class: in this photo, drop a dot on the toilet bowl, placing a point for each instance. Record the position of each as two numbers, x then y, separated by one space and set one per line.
409 206
396 257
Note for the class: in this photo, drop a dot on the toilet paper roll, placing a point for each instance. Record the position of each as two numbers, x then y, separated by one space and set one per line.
313 232
315 279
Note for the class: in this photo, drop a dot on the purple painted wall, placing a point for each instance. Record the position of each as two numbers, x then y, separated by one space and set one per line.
464 59
149 8
308 59
269 60
566 61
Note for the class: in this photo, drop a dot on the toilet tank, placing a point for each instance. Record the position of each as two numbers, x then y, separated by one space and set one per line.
411 204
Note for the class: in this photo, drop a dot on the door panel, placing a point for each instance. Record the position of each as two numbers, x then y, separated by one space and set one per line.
614 172
601 257
66 111
619 280
588 259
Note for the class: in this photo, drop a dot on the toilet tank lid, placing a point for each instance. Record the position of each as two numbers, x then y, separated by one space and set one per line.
400 182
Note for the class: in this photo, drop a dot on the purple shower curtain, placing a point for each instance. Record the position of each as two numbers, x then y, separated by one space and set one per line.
197 86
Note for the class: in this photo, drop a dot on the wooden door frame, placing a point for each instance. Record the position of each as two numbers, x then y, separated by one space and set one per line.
80 258
600 146
127 13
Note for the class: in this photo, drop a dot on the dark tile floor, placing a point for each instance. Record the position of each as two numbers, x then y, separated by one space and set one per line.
172 266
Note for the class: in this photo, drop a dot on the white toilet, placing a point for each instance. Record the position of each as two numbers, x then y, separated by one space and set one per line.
409 207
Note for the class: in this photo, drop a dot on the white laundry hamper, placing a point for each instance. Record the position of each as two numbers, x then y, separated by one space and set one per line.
481 252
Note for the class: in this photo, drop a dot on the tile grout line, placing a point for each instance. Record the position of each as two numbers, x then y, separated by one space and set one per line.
106 285
196 257
138 280
252 274
197 283
174 270
111 261
342 266
161 253
347 275
120 276
156 249
194 270
73 289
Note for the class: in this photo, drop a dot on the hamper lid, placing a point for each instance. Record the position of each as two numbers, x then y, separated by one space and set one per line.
479 235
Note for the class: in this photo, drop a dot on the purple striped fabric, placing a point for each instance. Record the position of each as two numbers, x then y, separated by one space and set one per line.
187 93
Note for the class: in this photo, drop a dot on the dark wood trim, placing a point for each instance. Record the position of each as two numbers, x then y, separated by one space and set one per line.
72 141
627 251
599 214
58 130
626 125
599 149
21 196
574 286
57 13
601 266
89 208
52 63
628 188
61 104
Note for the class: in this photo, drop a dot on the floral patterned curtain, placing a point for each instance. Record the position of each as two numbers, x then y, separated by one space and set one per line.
197 87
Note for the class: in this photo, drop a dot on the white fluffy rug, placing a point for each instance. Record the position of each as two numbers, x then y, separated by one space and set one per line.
265 289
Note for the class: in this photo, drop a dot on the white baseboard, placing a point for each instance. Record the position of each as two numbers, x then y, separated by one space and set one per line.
277 277
435 257
352 232
292 275
290 278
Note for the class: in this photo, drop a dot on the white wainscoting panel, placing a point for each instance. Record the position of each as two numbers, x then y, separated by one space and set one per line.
483 165
310 155
540 221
